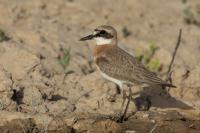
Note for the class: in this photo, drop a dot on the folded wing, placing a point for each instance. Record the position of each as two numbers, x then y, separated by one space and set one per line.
125 67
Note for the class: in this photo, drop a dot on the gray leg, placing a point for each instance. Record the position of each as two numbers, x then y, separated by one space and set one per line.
124 99
127 105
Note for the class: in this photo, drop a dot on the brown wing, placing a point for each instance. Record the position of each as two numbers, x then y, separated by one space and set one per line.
118 64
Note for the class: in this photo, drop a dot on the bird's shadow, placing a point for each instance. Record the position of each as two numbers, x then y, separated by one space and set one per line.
156 96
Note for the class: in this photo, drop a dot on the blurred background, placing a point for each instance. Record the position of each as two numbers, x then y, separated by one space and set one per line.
47 75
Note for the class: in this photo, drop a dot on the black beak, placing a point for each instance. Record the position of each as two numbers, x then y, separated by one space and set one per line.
89 37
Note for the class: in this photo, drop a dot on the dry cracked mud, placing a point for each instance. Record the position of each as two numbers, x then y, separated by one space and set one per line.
39 93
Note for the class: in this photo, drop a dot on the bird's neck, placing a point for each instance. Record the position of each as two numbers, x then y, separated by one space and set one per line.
107 41
100 49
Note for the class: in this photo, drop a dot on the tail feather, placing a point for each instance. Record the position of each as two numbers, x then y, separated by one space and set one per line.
168 85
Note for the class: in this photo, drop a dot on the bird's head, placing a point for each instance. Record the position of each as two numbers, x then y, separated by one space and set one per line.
103 35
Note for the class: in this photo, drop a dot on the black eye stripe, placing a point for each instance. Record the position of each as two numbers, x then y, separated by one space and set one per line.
103 32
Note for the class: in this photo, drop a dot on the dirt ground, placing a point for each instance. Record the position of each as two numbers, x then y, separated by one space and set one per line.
49 83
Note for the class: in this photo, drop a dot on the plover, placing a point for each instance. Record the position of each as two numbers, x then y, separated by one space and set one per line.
118 66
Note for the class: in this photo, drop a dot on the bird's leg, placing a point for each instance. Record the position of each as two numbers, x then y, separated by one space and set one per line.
127 105
117 117
124 99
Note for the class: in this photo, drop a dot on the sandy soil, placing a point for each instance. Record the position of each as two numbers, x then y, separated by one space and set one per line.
38 94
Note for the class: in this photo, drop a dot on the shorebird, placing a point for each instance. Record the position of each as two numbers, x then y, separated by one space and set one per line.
118 66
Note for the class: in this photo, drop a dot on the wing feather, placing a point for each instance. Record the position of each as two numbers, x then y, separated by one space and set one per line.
118 64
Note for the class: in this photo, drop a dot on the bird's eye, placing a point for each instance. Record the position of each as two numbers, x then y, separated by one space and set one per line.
102 32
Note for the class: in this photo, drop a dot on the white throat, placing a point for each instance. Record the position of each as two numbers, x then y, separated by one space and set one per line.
103 41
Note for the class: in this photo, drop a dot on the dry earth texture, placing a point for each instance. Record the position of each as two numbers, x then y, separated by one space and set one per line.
48 81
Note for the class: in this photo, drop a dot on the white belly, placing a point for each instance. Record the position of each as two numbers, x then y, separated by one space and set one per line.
116 81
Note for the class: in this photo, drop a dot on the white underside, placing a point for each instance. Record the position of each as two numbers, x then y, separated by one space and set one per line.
116 81
102 41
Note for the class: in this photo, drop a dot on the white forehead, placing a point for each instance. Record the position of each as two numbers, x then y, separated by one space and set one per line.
102 41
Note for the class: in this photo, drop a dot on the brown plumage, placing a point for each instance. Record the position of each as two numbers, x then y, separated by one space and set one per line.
125 67
116 64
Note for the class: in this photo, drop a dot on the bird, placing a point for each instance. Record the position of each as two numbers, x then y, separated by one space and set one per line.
117 65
